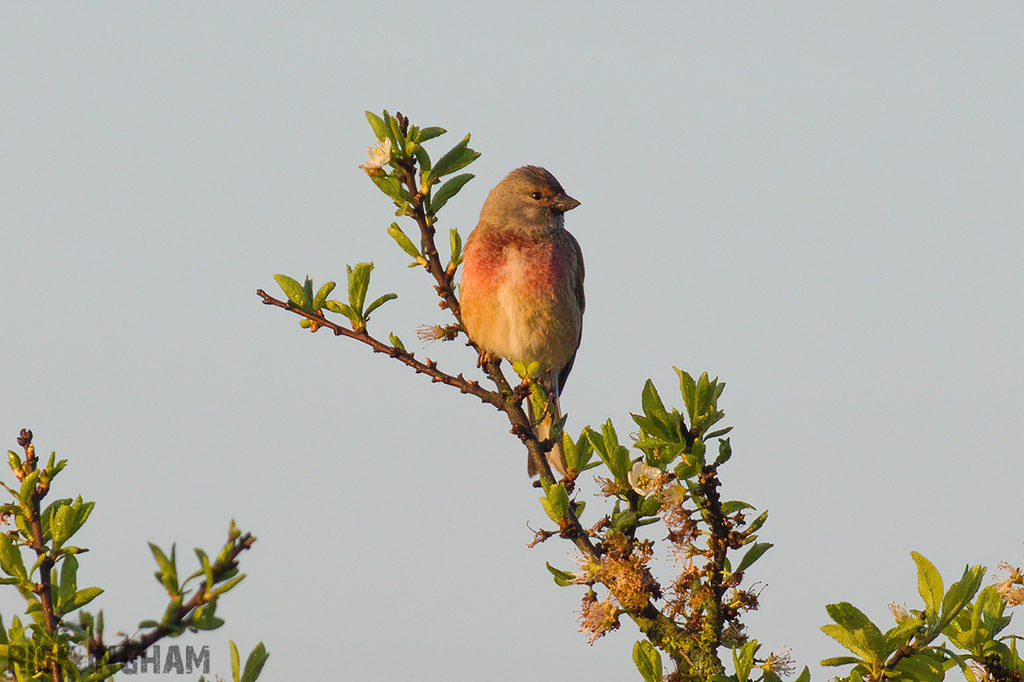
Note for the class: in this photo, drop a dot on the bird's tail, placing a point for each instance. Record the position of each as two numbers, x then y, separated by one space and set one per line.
552 413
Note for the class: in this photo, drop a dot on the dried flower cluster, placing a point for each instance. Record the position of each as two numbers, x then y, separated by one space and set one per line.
623 566
597 617
1012 588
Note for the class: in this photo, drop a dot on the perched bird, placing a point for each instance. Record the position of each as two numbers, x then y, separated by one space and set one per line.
522 284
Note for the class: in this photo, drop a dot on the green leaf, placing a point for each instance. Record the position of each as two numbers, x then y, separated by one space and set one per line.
403 241
11 560
227 585
207 618
455 243
448 190
582 451
168 573
342 309
856 632
804 676
80 599
624 521
295 292
687 469
697 451
430 133
63 524
724 446
658 421
254 663
688 389
396 133
923 666
929 585
457 158
358 283
756 524
837 661
556 502
68 584
960 594
236 671
379 128
396 342
308 289
28 486
618 456
46 518
743 659
702 401
393 187
752 555
651 402
718 434
206 566
378 303
422 158
901 634
650 506
733 506
647 660
562 578
322 294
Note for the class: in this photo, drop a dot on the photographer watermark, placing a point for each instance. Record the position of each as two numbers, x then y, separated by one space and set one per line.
194 659
170 659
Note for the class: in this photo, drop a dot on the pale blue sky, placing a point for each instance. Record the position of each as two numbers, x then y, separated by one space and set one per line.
821 204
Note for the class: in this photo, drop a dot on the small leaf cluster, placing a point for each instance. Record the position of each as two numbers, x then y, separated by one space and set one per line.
912 650
414 184
52 645
302 297
212 579
402 169
407 150
45 643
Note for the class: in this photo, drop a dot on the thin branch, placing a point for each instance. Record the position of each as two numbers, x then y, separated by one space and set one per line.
44 589
128 649
429 367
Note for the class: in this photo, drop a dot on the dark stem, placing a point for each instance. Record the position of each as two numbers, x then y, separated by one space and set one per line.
44 589
710 506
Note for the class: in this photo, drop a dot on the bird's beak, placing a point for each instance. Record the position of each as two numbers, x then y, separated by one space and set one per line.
564 202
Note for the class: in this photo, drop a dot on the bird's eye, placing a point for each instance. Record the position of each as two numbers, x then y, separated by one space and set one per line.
537 195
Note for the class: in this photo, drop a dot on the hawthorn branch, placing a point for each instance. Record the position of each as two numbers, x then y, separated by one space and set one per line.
440 274
661 629
37 542
429 367
129 649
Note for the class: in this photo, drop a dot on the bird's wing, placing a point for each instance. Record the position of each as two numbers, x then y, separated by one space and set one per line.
581 301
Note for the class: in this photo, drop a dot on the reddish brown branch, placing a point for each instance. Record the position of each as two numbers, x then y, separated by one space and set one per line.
429 367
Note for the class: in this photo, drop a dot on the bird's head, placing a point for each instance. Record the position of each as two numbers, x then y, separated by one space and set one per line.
529 198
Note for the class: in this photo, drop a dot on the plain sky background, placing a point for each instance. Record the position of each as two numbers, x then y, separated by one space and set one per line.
821 203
